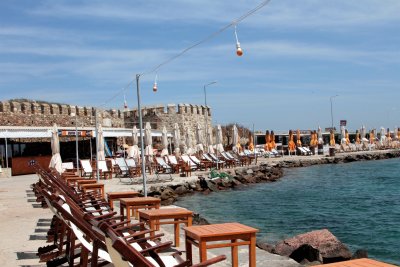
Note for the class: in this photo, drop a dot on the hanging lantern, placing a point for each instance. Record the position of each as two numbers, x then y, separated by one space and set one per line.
239 50
155 84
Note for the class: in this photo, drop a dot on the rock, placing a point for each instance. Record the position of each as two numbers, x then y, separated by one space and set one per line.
265 246
330 248
181 190
360 253
212 186
168 193
199 220
306 252
249 171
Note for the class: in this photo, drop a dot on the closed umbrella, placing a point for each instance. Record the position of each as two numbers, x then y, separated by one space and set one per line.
210 141
199 139
188 145
235 139
177 139
251 145
164 141
342 135
100 143
372 137
363 134
320 139
396 133
133 151
298 141
272 144
55 161
332 138
291 143
267 140
148 140
220 148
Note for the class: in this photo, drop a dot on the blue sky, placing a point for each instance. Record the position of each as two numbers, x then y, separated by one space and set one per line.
296 55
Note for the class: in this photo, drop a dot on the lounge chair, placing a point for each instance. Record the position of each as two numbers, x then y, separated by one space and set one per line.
162 166
104 171
229 162
188 161
67 166
134 169
173 162
86 169
217 160
129 256
201 164
123 169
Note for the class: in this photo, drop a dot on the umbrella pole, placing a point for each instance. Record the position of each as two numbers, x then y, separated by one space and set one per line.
141 136
6 153
97 148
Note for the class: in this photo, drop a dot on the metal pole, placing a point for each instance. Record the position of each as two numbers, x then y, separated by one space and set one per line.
332 109
76 142
91 149
141 135
254 144
6 153
97 147
206 115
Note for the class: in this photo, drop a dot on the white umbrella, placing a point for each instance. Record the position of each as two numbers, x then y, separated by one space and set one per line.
164 140
363 133
55 161
220 148
210 141
189 149
320 139
133 151
100 143
177 138
383 136
396 132
342 135
199 139
148 140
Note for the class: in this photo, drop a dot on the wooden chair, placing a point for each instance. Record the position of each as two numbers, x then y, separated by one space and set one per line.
86 169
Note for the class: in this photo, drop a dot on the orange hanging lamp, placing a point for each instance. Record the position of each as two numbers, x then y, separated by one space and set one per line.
239 50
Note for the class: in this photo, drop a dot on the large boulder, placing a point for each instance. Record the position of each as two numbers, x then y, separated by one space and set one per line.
330 248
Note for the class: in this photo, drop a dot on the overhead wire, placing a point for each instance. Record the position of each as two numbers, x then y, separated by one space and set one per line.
184 51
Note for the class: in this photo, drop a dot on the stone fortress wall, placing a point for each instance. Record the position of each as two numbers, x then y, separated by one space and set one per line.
32 113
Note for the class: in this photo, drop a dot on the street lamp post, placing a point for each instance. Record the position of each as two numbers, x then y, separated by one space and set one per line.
332 97
76 140
206 115
141 135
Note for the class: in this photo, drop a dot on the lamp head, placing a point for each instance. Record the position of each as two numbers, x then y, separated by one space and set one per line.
239 50
155 87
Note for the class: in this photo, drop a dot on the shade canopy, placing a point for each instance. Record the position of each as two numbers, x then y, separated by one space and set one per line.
220 147
133 151
164 142
177 138
100 143
55 161
148 140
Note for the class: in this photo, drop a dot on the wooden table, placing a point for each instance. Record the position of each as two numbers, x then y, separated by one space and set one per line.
93 187
237 234
357 263
137 203
112 196
173 216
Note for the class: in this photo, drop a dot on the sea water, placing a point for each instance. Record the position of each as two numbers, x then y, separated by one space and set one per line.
358 202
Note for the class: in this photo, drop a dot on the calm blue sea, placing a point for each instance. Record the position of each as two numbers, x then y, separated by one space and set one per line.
358 202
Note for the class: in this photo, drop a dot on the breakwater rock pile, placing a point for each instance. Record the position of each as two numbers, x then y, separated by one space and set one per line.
228 179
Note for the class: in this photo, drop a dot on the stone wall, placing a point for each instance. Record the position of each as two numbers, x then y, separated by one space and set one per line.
186 115
32 113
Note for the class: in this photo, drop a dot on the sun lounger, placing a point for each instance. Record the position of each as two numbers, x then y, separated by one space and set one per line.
200 164
187 160
67 166
104 171
86 169
123 169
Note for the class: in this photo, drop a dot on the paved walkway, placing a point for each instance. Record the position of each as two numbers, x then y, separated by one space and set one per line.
24 224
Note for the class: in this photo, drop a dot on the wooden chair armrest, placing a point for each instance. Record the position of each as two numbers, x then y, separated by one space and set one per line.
210 261
157 247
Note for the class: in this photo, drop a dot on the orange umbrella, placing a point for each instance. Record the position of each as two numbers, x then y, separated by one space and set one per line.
291 145
372 137
251 145
347 137
272 144
398 133
388 135
267 140
298 142
358 139
314 138
332 139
